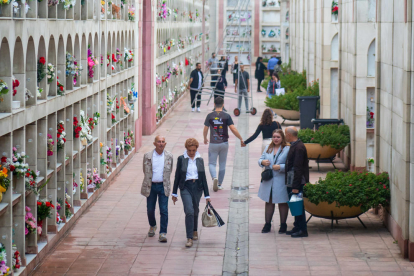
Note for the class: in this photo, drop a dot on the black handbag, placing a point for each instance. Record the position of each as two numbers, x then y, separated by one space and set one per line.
267 174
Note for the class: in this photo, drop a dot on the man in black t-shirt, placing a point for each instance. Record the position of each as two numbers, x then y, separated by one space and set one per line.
219 122
195 84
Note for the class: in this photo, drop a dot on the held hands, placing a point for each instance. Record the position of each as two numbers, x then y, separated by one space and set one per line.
276 167
266 163
174 199
242 144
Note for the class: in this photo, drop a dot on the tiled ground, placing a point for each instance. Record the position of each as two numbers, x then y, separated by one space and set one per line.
110 238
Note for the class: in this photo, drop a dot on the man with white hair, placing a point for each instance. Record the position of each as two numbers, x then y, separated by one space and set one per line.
296 176
157 166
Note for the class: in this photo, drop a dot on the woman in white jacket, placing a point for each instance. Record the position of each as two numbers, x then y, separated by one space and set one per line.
274 191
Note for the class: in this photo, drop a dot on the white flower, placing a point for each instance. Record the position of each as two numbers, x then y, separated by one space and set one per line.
23 153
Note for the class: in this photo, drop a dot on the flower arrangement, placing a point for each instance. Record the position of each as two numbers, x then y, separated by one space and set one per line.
102 160
115 10
58 207
27 95
17 261
72 68
132 95
60 87
272 3
16 164
272 48
44 210
75 185
76 127
3 89
119 57
131 13
85 132
39 92
364 189
51 3
272 33
163 13
92 122
4 173
123 2
337 137
335 8
4 269
108 155
68 213
370 118
41 69
117 105
109 103
264 3
92 62
16 84
263 32
82 182
30 181
263 48
113 118
61 134
94 181
127 142
5 2
30 223
50 144
128 55
175 13
67 4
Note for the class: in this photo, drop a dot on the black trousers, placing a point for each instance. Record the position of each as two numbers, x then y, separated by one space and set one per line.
259 81
193 95
271 72
234 78
300 221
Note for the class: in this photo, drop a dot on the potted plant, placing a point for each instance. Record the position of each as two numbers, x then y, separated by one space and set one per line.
335 10
346 194
325 142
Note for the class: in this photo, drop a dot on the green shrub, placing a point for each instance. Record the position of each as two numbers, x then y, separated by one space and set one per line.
352 189
289 101
338 137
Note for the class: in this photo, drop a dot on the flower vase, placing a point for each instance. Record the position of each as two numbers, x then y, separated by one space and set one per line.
48 163
126 151
336 17
84 141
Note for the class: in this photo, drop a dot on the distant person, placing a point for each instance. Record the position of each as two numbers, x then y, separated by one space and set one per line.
218 122
213 65
278 67
220 86
273 84
274 191
259 73
235 69
190 177
298 162
271 64
224 64
267 127
195 84
243 87
157 166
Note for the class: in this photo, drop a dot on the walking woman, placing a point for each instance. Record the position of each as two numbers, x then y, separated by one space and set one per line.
274 191
190 177
267 126
224 63
259 74
274 83
235 69
220 86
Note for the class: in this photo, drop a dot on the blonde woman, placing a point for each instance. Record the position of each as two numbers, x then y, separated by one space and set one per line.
190 177
274 191
235 68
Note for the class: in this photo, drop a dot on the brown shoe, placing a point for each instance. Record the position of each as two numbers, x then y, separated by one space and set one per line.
189 243
195 236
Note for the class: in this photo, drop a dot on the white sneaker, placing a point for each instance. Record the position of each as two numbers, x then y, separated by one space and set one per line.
192 109
215 181
198 109
220 187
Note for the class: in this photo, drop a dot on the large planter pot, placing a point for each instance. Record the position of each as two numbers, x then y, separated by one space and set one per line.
316 151
329 211
291 115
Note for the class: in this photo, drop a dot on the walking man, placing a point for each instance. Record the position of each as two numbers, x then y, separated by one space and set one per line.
273 61
157 165
297 163
243 87
213 65
219 122
195 84
221 86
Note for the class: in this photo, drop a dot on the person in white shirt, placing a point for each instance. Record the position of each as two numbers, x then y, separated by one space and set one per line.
190 177
157 166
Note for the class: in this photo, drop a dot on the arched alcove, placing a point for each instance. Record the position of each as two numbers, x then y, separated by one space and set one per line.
335 48
109 55
371 60
114 52
51 59
118 52
41 53
96 55
287 16
83 60
31 73
69 55
6 75
103 57
19 72
78 78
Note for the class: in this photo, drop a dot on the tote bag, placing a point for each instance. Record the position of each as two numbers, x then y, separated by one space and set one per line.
208 218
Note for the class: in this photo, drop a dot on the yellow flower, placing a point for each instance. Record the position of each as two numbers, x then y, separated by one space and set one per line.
101 144
2 189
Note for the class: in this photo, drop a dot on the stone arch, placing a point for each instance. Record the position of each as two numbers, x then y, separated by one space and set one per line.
335 47
51 58
5 75
371 70
19 71
31 73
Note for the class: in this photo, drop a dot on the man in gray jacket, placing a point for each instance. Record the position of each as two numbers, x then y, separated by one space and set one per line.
157 166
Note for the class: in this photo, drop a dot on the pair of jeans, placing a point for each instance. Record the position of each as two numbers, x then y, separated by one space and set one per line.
157 190
218 151
243 94
271 72
191 196
300 221
193 96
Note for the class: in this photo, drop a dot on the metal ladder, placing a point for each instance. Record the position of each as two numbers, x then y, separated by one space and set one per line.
241 8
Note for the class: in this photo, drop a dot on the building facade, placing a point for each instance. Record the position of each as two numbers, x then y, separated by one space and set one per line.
361 53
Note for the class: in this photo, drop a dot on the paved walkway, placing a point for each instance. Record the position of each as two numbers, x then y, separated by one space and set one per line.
110 238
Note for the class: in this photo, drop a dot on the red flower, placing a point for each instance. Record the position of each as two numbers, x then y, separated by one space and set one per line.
4 159
113 116
48 204
51 205
42 60
64 139
339 190
335 9
58 135
12 168
350 185
61 88
169 47
327 192
39 203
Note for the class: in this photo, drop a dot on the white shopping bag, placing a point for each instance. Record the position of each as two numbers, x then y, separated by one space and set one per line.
280 91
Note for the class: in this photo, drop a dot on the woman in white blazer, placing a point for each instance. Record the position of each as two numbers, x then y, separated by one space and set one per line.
274 191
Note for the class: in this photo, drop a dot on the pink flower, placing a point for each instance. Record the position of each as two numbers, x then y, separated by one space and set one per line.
26 232
28 209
